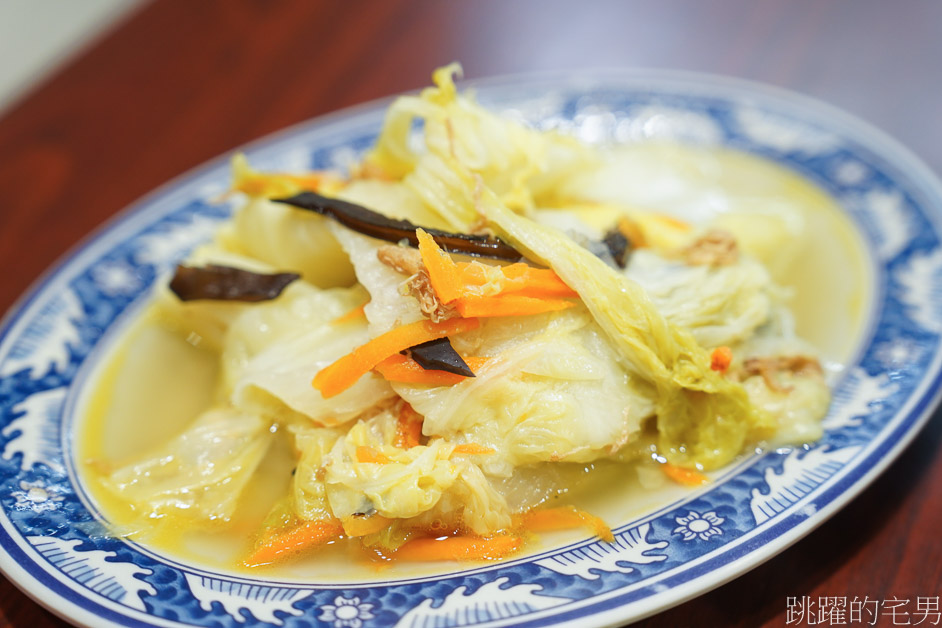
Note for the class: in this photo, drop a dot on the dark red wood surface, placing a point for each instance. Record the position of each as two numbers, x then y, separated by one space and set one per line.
179 82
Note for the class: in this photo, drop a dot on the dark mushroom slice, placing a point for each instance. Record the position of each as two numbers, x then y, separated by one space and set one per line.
225 283
618 245
371 223
439 355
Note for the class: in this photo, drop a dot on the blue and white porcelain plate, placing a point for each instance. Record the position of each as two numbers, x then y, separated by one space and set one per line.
53 544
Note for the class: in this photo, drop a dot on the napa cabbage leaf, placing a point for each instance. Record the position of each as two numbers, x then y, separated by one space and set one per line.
201 473
274 350
520 164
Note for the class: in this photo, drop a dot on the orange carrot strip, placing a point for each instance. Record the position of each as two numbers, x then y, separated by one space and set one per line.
721 358
408 427
507 305
399 368
476 273
307 535
365 453
543 282
564 518
459 548
337 377
516 278
451 281
442 271
352 315
472 449
688 477
536 291
359 525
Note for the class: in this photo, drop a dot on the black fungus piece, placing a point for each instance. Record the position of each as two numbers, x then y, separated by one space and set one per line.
618 245
439 355
373 224
224 283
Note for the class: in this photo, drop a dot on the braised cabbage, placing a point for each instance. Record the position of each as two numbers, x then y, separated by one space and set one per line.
606 364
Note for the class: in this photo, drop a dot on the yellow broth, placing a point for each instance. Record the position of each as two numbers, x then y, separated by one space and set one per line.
155 382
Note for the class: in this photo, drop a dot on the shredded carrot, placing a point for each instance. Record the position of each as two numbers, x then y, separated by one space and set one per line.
537 282
721 358
361 525
516 278
460 548
564 518
408 427
442 271
354 314
473 449
477 274
507 305
337 377
287 544
688 477
399 368
365 453
452 281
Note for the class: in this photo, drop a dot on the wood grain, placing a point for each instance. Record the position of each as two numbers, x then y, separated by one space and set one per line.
180 82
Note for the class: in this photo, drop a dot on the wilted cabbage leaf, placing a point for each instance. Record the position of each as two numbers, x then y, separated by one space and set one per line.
201 473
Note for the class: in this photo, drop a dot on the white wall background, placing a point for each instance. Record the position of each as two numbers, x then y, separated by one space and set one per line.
36 36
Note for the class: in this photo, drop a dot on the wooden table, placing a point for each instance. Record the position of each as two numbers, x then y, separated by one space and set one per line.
180 82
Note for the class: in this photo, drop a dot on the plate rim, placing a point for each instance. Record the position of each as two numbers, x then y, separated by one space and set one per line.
900 158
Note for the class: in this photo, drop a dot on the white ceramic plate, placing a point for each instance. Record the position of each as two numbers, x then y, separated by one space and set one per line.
53 547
